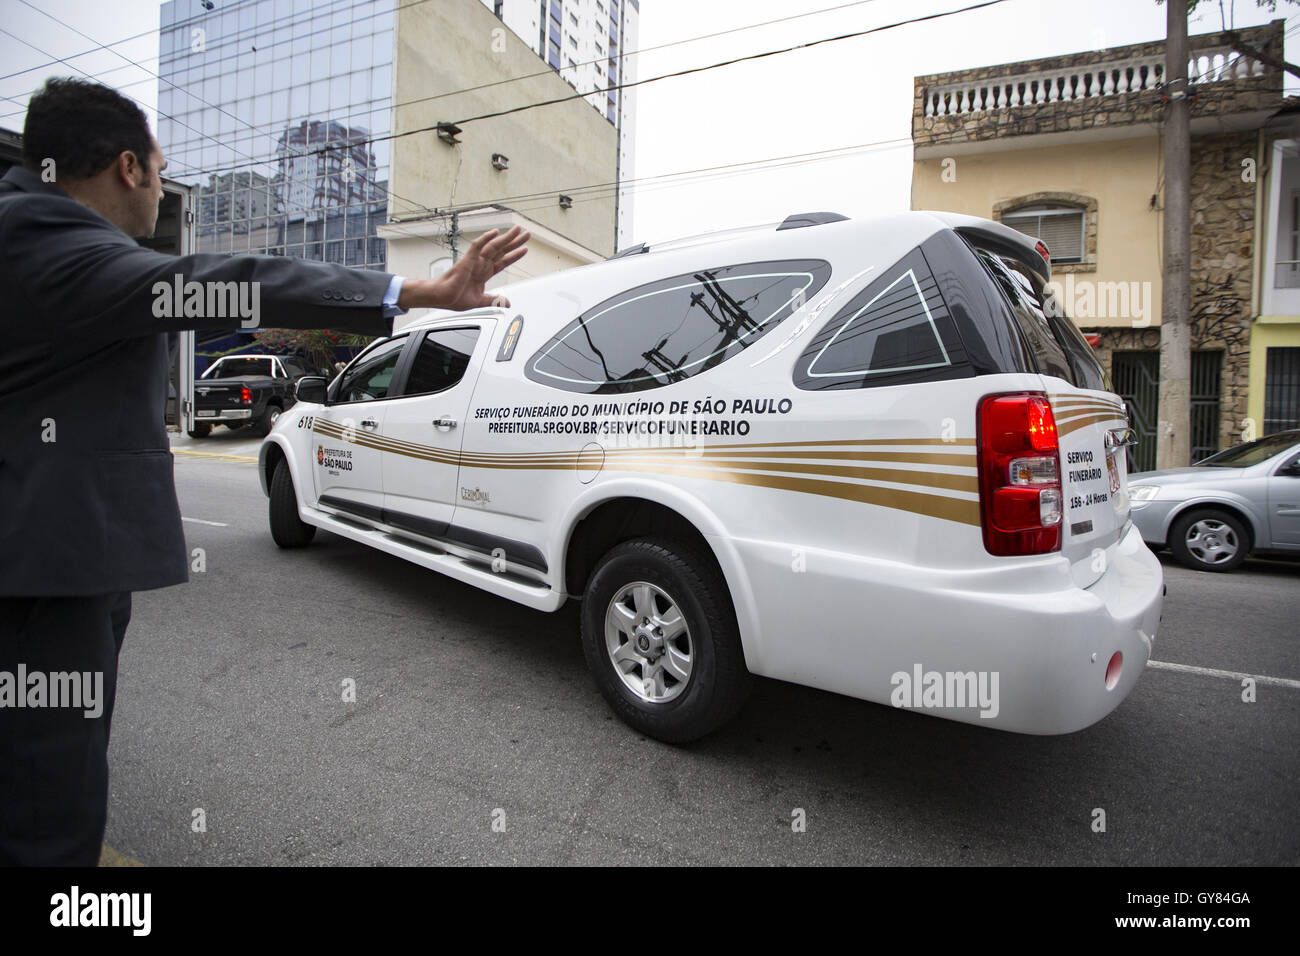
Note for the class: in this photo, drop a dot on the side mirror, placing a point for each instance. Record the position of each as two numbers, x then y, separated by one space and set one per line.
311 388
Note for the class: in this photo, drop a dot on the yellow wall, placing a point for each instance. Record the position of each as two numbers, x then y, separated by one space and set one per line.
457 44
1120 174
1267 332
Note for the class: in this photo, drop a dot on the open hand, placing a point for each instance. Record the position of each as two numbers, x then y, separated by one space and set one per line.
463 285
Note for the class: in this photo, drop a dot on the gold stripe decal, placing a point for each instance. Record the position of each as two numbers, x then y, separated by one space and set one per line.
787 466
1078 423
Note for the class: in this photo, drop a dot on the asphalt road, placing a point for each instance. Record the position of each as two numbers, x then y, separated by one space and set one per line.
471 710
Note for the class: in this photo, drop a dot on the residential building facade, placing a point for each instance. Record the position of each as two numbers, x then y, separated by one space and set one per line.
1069 149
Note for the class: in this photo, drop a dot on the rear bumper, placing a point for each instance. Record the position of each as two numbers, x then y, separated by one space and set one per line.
1123 618
1035 646
218 415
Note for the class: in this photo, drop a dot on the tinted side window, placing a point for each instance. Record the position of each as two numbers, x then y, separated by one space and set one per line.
672 329
369 377
1028 314
897 330
1088 372
441 360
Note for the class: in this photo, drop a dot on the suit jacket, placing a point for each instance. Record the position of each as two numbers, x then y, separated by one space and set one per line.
87 499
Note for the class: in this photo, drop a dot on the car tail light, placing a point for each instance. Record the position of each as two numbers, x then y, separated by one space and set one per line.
1019 474
1042 251
245 396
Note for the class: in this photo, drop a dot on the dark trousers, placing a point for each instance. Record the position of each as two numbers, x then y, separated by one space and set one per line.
54 760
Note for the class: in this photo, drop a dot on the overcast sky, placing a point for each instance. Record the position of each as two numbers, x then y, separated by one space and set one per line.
838 95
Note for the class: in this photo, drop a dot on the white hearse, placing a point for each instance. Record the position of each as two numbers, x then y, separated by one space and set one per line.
866 456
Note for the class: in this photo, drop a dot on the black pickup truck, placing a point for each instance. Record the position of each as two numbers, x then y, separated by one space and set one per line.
245 391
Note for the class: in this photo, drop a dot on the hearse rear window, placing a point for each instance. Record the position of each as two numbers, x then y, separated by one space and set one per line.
896 331
671 329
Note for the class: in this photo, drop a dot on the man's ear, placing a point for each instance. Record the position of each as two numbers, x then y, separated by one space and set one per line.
127 168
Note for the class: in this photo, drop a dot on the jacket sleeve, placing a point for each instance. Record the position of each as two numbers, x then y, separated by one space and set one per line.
74 274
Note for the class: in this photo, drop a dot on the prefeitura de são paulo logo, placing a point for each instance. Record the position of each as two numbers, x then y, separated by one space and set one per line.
320 454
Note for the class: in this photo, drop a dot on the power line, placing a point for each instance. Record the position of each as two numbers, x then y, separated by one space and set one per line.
259 30
1227 67
630 53
701 173
133 99
178 24
194 96
693 181
68 26
655 79
371 182
237 37
796 159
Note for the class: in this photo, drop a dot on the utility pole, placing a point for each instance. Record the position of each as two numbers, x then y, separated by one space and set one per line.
1173 434
618 121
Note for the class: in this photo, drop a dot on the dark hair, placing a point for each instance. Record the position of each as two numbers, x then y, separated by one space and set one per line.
83 127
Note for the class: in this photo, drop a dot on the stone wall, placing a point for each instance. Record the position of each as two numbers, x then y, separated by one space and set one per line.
1242 94
1222 265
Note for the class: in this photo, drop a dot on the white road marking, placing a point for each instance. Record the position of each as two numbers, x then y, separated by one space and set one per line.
215 524
1231 675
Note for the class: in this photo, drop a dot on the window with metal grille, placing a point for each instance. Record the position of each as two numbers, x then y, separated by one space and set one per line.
1060 226
1207 372
1281 390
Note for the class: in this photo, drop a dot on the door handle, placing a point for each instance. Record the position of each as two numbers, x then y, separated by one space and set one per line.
445 422
1120 438
369 423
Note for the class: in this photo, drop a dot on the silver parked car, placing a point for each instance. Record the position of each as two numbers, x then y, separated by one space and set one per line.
1215 513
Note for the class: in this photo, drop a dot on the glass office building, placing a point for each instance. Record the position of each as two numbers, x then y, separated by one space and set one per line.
271 107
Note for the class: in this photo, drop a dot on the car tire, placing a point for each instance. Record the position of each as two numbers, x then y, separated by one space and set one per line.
675 687
262 427
200 431
1209 540
288 530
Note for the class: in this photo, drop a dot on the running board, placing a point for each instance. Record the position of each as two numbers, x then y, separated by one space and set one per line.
475 570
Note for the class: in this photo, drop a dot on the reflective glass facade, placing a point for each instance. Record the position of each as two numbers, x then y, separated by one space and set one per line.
253 92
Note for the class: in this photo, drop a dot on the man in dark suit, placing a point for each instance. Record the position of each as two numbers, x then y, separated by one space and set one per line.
88 509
